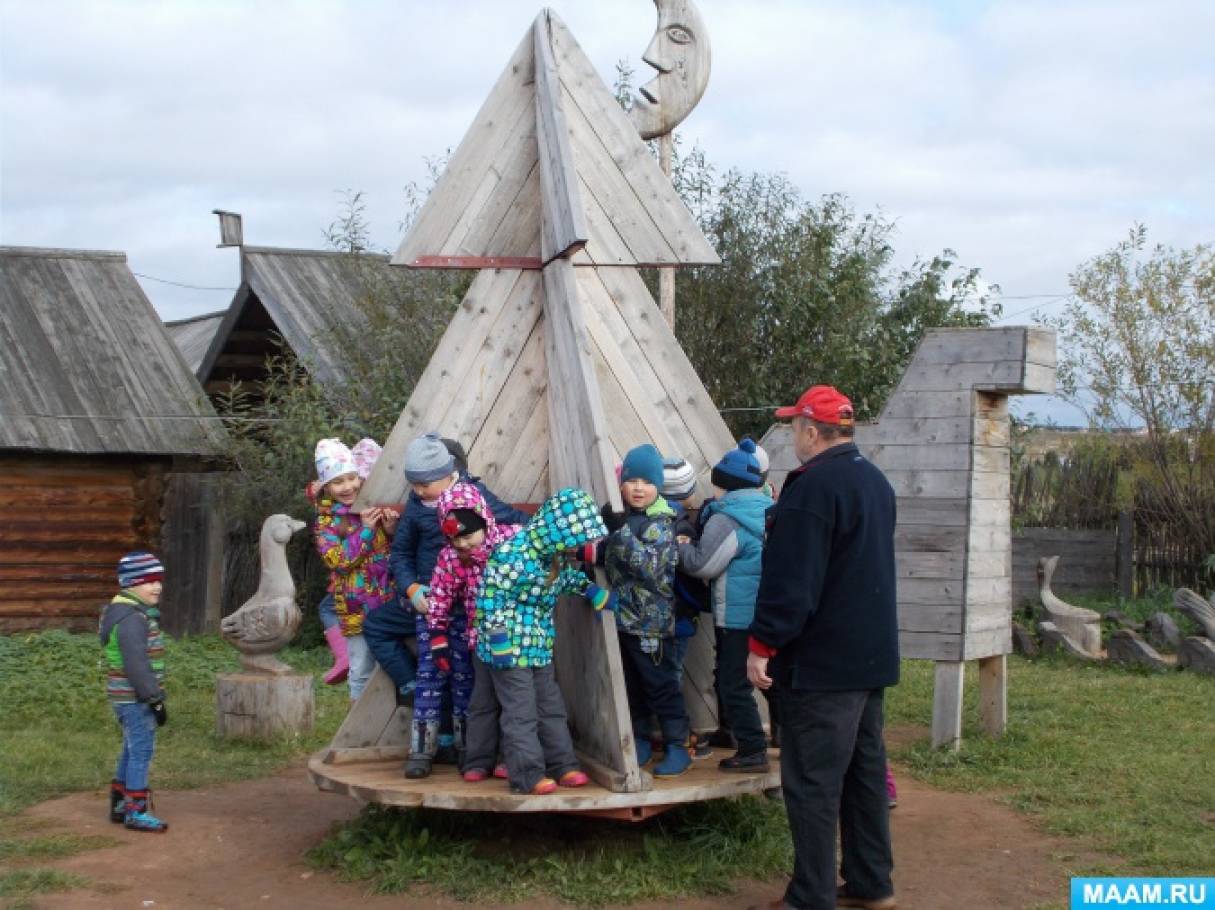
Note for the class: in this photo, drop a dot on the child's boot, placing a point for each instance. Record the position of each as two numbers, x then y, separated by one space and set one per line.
341 658
118 802
892 791
138 813
423 743
676 761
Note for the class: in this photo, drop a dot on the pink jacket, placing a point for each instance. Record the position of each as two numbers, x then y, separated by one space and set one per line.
456 579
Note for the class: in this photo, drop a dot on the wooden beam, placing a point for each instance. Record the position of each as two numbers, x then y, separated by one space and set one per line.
993 694
947 704
564 228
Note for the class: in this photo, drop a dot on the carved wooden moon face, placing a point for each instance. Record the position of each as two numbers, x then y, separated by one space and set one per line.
679 51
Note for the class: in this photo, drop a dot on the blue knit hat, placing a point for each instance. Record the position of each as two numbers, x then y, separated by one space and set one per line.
739 469
139 568
643 462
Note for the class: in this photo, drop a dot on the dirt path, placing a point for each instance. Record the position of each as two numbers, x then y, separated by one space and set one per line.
241 846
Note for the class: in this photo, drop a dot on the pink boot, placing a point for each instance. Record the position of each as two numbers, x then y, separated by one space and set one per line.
892 792
341 661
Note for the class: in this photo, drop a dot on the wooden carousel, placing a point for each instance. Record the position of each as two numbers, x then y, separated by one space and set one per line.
557 361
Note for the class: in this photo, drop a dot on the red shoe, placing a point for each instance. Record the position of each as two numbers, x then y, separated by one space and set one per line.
500 772
545 786
475 775
573 779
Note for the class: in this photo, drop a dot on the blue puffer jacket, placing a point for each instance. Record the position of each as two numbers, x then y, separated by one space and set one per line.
730 553
416 545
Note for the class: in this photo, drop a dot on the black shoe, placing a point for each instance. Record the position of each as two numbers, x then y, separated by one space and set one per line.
753 763
417 768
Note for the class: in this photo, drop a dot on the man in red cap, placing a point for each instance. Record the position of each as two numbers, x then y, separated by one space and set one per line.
825 637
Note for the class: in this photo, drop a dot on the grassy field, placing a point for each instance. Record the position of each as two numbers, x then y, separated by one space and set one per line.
58 734
1122 761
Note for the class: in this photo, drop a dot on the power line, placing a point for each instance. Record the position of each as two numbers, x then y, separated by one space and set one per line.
180 284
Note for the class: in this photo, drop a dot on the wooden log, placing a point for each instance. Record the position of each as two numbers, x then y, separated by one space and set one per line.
257 706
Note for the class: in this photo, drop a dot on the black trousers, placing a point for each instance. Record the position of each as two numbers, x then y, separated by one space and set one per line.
833 767
653 687
735 694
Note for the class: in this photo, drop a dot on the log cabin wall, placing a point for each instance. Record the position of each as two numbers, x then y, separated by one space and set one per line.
69 520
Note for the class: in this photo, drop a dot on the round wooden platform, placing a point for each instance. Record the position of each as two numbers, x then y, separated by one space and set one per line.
383 782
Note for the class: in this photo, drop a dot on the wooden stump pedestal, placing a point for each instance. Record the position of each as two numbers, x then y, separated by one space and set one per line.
261 706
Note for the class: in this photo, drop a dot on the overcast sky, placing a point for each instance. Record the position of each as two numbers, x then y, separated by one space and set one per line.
1027 136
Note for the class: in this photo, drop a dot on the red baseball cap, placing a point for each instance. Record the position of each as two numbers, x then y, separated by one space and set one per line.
823 403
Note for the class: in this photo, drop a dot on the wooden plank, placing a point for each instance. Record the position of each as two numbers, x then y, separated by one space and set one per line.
930 591
670 364
1040 347
993 694
1004 375
481 148
988 643
604 246
372 720
564 228
620 144
493 295
505 426
938 457
944 346
638 382
578 429
524 476
931 617
930 645
939 512
918 431
947 704
906 403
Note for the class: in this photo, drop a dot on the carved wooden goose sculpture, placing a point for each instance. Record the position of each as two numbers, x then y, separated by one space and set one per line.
1082 626
269 619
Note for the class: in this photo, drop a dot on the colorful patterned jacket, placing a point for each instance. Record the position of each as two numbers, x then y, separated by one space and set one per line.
134 650
457 576
524 577
357 558
640 559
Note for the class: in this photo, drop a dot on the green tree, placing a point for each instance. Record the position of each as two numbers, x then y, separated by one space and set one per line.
1137 349
806 292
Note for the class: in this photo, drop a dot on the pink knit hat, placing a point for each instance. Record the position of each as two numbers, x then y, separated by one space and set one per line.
365 453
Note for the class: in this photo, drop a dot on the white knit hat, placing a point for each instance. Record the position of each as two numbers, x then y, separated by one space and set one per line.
333 459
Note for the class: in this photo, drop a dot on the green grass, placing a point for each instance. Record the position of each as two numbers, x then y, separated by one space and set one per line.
1124 760
19 885
696 850
58 733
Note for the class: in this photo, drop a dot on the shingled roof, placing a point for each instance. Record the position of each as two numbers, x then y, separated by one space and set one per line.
193 336
86 365
300 295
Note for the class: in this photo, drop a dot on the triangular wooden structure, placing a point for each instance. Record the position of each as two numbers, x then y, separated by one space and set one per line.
558 360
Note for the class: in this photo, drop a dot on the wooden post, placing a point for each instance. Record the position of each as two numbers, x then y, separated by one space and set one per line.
993 694
947 704
1126 554
666 277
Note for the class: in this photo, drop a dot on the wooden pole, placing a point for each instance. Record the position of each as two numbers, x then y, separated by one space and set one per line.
666 277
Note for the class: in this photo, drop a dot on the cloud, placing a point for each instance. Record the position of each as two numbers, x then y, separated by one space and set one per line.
1026 136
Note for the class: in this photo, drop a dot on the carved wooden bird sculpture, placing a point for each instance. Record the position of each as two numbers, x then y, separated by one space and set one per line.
1082 626
269 619
1198 608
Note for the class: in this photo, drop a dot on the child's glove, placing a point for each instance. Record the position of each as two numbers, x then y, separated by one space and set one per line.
585 554
611 518
417 596
600 598
440 652
159 712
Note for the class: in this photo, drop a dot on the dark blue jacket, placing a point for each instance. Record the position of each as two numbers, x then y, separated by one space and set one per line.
826 598
416 545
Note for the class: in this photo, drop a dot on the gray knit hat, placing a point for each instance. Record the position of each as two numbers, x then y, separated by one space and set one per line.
427 459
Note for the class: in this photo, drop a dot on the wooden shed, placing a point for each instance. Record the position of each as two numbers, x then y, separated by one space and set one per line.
290 300
193 336
98 409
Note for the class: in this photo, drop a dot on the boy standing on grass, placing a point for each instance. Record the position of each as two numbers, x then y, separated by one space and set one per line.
135 673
